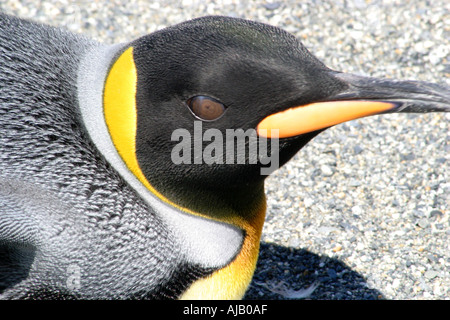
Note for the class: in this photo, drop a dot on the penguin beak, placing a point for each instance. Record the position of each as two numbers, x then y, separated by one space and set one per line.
364 96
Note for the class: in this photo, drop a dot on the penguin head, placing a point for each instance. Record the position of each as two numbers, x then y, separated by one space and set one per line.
174 98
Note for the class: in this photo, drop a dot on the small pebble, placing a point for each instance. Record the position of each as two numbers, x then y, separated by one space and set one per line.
430 274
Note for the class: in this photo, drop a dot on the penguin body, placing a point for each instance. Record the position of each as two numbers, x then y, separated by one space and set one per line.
91 204
62 205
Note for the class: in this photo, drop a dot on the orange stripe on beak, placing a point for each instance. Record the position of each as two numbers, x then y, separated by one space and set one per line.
316 116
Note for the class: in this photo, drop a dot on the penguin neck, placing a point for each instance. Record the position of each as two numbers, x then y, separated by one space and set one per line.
222 200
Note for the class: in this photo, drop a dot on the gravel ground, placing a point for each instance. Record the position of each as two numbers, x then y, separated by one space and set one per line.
362 212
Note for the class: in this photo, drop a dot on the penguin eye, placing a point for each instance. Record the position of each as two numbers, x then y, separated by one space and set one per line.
206 108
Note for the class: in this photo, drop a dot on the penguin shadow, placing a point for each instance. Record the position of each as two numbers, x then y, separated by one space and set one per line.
288 273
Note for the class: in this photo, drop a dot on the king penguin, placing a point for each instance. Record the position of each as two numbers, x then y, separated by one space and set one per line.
92 205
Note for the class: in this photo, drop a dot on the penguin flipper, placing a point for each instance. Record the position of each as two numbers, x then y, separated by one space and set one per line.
17 227
18 238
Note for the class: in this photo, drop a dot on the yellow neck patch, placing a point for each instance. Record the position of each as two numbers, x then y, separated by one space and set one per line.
119 106
121 119
232 281
120 110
